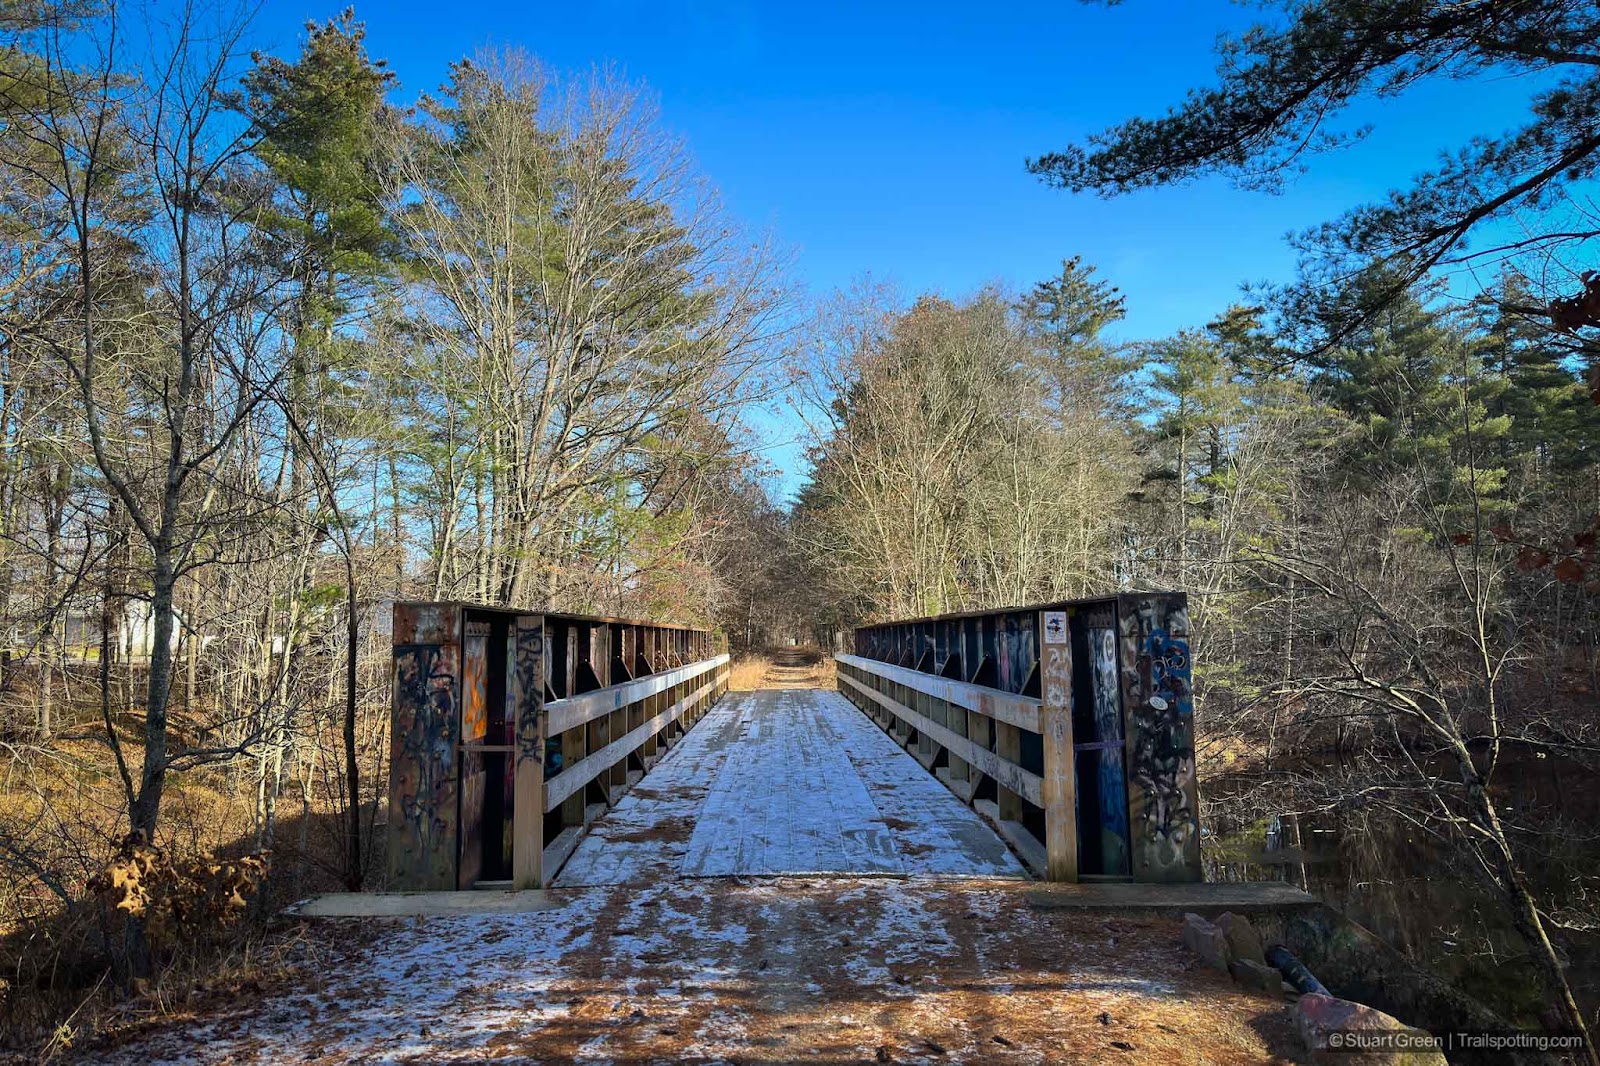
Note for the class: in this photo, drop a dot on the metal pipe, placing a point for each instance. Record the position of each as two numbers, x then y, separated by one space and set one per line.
1294 971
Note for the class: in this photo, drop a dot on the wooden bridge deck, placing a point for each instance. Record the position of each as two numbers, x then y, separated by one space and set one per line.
786 782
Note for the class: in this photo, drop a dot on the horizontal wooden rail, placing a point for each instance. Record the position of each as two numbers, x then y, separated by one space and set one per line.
1020 711
574 711
1029 786
981 737
1068 724
508 736
572 778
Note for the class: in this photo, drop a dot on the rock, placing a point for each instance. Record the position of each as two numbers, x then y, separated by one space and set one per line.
1206 941
1328 1024
1257 976
1243 940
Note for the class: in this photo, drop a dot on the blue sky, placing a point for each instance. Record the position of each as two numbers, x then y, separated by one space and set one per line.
891 137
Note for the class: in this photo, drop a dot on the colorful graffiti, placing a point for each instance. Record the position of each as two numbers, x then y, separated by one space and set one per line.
474 770
1112 781
422 797
1159 702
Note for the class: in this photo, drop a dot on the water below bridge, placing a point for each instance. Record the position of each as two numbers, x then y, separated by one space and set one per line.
786 782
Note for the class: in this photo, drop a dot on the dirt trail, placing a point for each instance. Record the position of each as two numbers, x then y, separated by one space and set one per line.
743 971
779 668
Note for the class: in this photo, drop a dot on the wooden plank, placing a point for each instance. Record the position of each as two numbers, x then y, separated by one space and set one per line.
1014 833
962 786
527 829
1008 745
577 710
561 849
1020 711
573 778
1158 702
600 654
1241 897
572 661
1055 712
1008 775
573 749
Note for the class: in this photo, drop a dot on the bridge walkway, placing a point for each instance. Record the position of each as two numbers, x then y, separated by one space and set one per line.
786 782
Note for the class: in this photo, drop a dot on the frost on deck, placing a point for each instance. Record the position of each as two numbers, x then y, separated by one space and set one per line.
770 971
949 961
792 781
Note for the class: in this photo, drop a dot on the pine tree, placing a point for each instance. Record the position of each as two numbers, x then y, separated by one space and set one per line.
1412 381
1554 428
1070 312
318 119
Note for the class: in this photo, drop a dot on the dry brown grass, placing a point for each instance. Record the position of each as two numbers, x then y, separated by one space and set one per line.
64 972
805 667
748 672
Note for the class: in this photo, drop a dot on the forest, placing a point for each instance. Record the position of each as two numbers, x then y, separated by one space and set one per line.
277 351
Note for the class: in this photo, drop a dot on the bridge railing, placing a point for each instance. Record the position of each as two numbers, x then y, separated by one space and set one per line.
969 731
609 738
511 730
1068 726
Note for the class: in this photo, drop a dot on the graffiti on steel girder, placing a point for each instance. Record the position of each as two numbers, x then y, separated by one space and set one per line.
1161 761
425 676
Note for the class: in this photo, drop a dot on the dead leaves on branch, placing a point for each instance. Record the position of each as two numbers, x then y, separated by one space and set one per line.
1574 560
1572 313
177 898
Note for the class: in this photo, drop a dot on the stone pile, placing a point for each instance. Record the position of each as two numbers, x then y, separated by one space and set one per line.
1232 946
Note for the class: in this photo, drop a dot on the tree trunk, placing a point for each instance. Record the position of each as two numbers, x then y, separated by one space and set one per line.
352 770
147 806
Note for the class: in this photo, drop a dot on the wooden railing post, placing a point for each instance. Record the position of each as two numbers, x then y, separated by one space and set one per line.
527 830
1055 722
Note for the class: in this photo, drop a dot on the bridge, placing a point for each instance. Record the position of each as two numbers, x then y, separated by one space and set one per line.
543 749
850 875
